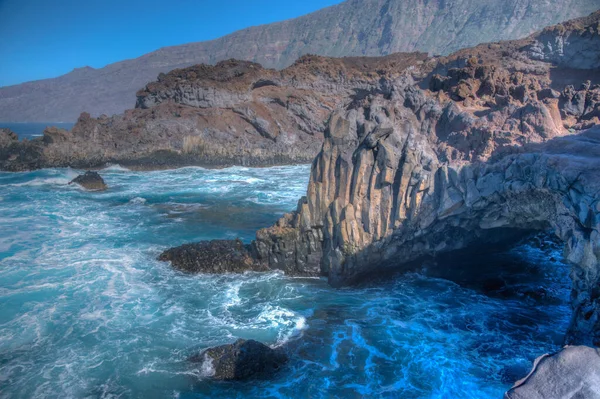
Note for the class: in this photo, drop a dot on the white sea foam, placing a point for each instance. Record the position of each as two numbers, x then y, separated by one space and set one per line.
207 369
115 168
137 201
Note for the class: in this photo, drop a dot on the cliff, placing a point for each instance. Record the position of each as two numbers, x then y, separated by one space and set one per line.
464 151
352 28
234 113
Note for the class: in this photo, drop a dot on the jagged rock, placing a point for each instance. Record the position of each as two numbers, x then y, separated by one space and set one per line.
7 137
90 181
572 373
241 360
217 256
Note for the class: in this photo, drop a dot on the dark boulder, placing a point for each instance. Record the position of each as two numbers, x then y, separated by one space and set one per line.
90 181
217 256
241 360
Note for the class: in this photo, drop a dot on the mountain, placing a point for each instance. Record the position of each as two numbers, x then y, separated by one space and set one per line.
352 28
238 113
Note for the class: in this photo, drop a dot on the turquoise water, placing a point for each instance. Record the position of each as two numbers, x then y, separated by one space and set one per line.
87 312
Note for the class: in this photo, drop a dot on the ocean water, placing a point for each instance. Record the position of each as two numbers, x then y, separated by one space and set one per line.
86 311
33 130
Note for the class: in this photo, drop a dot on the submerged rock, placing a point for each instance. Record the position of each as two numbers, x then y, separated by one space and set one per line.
241 360
217 256
90 181
572 373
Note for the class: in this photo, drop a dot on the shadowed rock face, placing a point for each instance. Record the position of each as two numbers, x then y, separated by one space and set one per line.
242 360
481 144
352 28
571 373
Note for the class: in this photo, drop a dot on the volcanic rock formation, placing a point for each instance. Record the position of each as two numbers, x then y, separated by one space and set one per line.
491 139
234 257
235 113
352 28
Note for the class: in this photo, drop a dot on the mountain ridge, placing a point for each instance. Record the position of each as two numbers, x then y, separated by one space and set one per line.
351 28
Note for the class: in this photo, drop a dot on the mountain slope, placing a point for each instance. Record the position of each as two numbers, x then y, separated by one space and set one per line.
354 27
480 100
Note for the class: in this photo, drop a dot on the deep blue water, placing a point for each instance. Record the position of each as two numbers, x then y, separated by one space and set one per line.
33 130
87 312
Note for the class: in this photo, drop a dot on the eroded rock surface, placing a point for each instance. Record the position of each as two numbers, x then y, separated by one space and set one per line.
241 360
90 181
572 373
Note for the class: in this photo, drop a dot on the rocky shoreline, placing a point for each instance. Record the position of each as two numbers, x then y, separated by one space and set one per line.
419 156
481 144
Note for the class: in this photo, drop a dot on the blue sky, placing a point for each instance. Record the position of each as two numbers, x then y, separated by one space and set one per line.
47 38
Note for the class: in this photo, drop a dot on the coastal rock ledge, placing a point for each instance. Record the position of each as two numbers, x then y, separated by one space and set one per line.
233 257
572 373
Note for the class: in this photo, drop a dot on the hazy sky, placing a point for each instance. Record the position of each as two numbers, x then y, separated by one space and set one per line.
47 38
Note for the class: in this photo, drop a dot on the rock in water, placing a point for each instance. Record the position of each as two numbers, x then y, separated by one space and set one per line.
572 373
241 360
217 256
90 181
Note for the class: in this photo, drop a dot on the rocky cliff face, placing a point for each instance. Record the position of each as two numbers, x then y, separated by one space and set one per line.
481 144
234 113
352 28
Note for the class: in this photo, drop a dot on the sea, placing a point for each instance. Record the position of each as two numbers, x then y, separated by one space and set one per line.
32 130
87 310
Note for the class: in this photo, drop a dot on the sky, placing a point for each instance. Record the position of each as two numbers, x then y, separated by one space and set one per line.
47 38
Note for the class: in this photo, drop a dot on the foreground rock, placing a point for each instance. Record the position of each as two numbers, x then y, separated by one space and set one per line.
241 360
572 373
90 181
217 256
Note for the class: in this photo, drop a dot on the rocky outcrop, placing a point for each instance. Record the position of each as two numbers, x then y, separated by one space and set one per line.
241 360
233 257
7 137
482 144
90 181
235 113
572 373
352 28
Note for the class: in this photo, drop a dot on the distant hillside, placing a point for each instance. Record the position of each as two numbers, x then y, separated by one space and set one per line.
355 27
